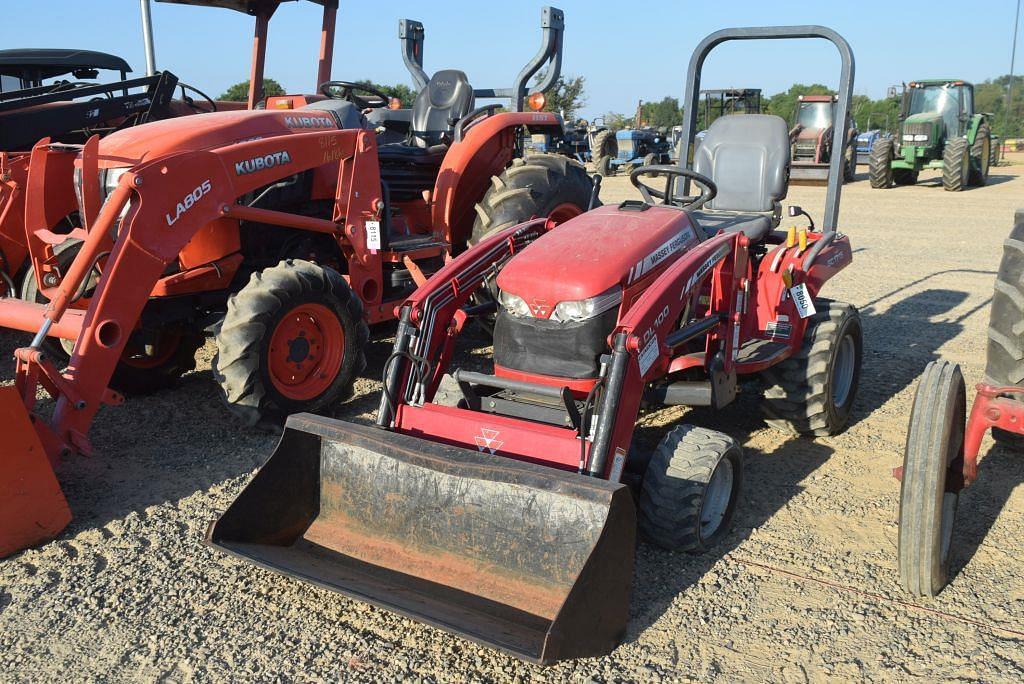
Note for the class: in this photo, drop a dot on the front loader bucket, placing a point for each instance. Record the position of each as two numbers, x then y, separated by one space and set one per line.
531 560
32 506
808 173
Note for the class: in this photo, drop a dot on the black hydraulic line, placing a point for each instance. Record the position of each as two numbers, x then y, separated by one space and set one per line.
609 407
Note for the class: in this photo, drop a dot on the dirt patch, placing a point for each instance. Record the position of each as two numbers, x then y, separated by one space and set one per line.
804 588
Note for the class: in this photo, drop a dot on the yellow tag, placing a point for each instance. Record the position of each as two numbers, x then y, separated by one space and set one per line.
790 236
802 237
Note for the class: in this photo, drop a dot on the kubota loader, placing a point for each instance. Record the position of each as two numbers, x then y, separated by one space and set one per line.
289 231
500 505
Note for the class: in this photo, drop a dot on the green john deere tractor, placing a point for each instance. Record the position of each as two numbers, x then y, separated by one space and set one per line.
939 129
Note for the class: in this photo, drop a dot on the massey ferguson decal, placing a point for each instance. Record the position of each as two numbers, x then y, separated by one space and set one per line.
663 252
704 268
189 201
488 440
308 122
267 161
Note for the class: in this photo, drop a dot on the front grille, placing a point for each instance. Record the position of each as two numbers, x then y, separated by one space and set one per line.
626 149
806 149
918 129
566 350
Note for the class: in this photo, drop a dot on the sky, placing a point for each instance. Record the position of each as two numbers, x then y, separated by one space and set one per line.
626 51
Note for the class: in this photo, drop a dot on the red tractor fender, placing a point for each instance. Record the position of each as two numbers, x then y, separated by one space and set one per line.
13 178
483 151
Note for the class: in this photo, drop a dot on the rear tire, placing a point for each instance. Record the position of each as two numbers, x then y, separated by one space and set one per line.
981 155
812 392
605 145
1004 358
880 170
956 165
935 443
293 340
689 492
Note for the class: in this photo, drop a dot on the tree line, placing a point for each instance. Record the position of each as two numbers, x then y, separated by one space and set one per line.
568 96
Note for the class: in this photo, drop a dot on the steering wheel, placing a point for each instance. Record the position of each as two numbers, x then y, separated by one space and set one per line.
668 197
346 91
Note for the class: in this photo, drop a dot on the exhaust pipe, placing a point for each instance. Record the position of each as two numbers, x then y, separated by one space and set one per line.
534 561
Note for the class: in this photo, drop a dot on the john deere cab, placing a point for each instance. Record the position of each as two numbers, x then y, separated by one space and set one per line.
939 129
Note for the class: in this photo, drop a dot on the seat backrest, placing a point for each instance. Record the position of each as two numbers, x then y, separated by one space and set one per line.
447 98
747 156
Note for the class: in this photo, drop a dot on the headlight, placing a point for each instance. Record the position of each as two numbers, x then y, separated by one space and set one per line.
514 304
109 179
907 137
583 309
920 137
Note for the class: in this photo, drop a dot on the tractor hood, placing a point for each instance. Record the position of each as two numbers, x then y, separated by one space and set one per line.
594 252
923 117
205 131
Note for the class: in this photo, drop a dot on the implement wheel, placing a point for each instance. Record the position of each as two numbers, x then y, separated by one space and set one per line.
690 489
928 497
293 340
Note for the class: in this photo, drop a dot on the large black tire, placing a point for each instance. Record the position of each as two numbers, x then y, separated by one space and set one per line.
243 364
812 392
880 163
935 444
174 353
956 165
981 155
605 145
690 489
1004 360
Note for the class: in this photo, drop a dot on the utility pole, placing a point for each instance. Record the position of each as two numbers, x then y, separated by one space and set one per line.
1009 86
147 38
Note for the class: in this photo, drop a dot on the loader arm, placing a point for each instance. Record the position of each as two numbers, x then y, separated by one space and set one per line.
168 201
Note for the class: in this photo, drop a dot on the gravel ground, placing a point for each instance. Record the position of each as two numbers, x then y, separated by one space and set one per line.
804 588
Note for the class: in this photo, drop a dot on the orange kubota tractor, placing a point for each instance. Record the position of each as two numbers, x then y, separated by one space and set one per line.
287 230
66 111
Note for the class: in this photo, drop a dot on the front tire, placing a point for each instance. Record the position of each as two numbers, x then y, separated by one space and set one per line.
689 492
293 340
956 165
981 155
812 392
935 445
880 164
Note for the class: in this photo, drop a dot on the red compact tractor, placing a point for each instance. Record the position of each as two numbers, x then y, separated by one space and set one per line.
505 511
941 455
812 140
288 231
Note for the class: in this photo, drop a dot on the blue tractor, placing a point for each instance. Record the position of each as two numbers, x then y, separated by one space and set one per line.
636 147
865 141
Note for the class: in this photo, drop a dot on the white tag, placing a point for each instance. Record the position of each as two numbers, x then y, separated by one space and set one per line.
648 355
802 299
617 464
373 234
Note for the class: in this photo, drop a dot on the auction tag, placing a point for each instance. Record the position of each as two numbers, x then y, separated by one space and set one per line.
802 299
373 234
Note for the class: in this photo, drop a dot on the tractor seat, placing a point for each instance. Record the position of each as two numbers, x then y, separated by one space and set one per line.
447 98
747 156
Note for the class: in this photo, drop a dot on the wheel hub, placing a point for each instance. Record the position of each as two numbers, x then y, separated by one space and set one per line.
306 351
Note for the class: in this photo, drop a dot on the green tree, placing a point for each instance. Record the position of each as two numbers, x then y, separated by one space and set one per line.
403 92
666 112
565 97
616 121
240 91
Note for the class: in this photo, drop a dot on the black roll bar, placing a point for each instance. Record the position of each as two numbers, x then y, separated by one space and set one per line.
835 175
552 24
